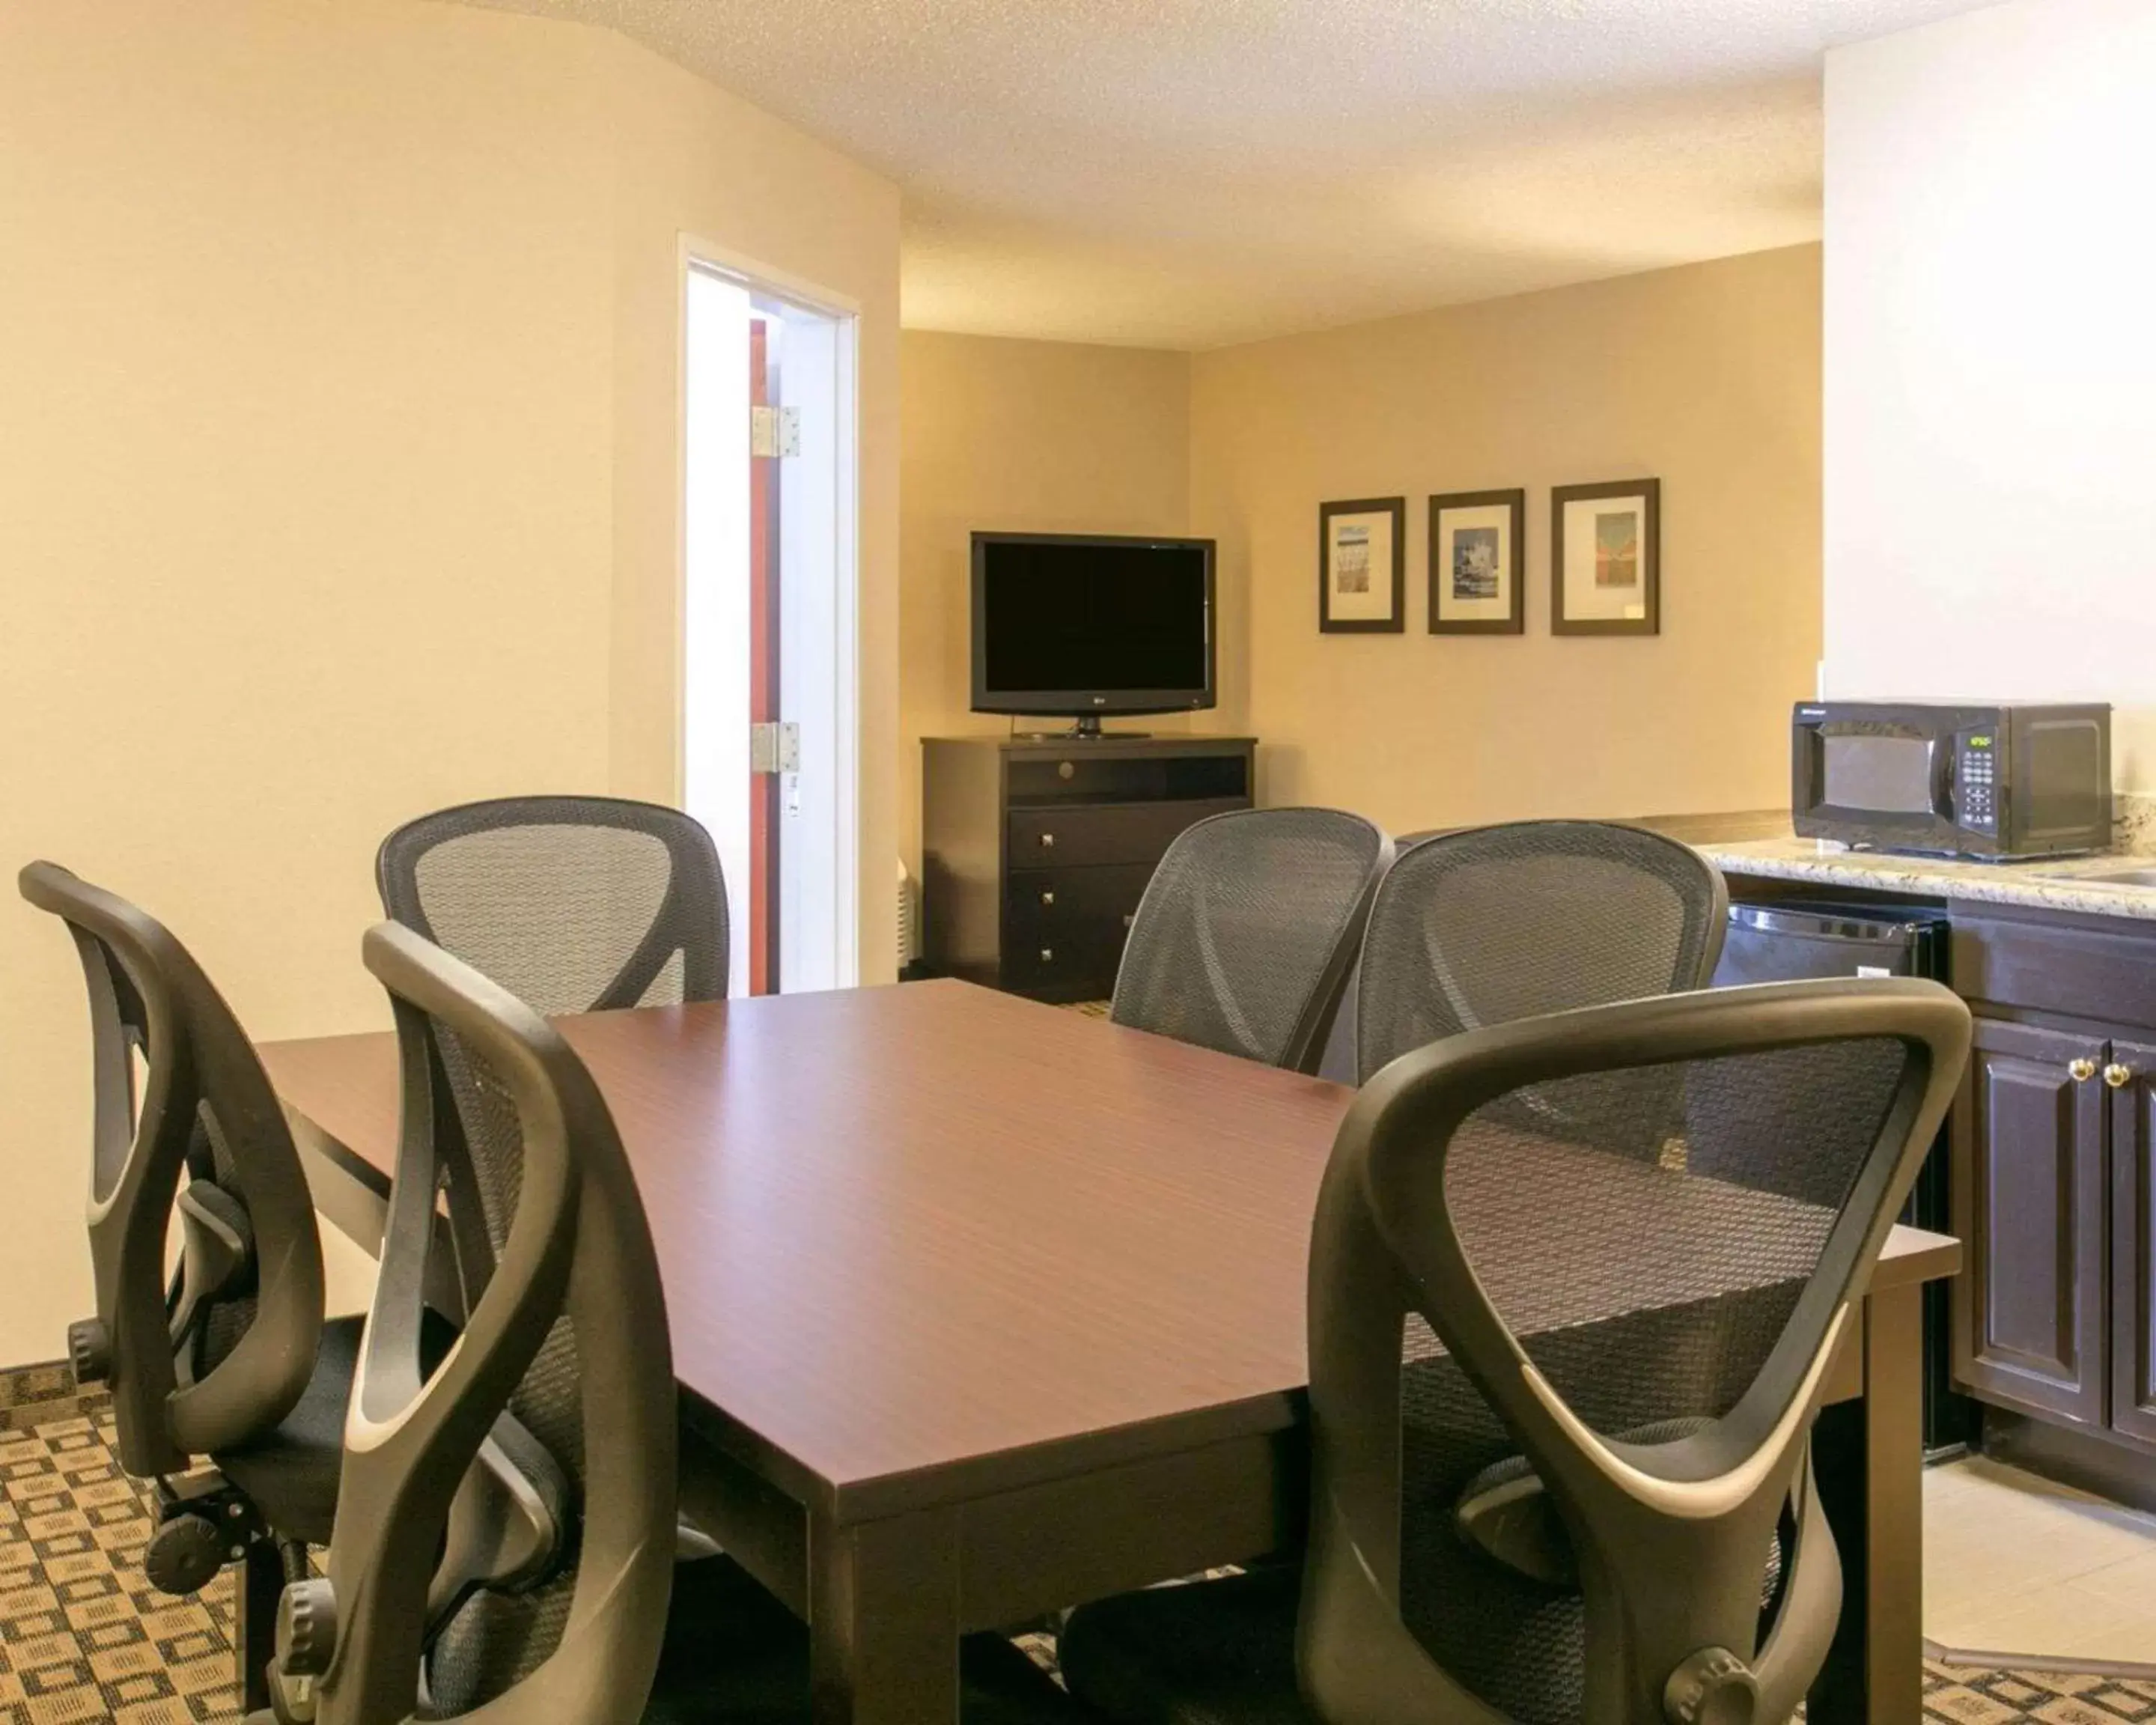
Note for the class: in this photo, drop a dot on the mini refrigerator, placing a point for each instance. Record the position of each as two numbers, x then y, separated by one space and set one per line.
1790 940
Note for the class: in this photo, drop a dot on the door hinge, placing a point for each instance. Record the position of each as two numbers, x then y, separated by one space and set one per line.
774 431
774 747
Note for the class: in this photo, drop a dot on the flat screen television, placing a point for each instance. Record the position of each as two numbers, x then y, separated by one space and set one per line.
1091 625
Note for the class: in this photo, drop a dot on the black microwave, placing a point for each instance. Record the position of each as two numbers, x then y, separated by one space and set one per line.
1988 780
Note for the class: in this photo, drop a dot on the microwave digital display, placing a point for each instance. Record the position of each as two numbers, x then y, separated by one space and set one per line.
1891 775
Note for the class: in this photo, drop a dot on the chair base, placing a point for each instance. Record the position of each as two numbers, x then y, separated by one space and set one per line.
260 1585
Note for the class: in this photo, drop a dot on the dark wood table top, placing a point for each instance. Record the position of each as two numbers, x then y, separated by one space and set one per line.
925 1241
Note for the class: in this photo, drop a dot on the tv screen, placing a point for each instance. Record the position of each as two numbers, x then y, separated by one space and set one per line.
1064 625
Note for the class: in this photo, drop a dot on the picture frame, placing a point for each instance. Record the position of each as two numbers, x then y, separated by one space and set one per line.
1362 567
1478 563
1606 558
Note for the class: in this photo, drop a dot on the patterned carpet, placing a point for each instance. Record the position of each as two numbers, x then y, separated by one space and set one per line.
83 1637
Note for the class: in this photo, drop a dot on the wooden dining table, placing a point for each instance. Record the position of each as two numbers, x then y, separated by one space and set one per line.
980 1308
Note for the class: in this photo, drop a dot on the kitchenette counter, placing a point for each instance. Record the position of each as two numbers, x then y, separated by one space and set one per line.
2117 883
2049 1177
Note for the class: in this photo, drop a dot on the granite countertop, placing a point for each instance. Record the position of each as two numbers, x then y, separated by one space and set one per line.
2066 884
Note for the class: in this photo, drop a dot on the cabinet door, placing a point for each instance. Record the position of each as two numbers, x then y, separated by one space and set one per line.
2029 1203
2131 1079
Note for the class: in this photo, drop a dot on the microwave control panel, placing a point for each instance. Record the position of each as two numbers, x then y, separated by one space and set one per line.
1977 753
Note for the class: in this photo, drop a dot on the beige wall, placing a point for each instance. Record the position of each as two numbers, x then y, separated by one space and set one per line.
337 479
1707 376
1991 362
1037 437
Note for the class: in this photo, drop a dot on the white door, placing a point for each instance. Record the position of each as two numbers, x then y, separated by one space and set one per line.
769 660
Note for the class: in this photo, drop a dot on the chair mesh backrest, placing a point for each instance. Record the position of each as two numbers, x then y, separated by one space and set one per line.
1649 1266
571 903
498 1639
1243 939
1506 922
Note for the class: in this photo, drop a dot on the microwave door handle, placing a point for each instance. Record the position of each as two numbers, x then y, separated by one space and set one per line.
1944 753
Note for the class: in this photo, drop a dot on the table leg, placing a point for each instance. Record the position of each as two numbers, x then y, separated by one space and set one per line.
883 1620
1869 1456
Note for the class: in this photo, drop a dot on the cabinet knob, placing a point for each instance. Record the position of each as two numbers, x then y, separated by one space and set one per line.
1047 955
2118 1077
1048 898
2080 1070
1129 917
1048 841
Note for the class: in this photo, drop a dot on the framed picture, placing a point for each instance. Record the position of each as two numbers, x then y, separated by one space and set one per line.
1606 558
1362 567
1477 559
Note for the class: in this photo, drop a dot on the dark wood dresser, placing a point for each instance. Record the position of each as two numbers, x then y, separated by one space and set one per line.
1036 851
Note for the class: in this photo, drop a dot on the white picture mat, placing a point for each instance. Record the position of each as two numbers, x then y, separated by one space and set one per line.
1450 522
1584 602
1344 547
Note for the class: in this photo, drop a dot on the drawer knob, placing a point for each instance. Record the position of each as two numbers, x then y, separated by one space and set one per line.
1048 898
1047 955
2080 1070
1048 841
2118 1077
1129 917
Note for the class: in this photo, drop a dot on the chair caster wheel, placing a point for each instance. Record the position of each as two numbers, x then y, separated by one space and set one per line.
89 1351
185 1554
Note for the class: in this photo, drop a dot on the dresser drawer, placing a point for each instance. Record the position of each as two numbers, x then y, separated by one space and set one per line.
1064 928
1044 901
1073 964
1082 835
2105 972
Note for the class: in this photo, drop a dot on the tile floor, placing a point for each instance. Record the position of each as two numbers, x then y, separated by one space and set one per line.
2016 1565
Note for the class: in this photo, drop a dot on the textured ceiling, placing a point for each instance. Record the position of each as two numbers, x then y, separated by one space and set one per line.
1188 173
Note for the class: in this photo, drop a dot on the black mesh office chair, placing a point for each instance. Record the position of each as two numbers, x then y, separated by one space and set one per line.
573 904
1491 924
505 1541
228 1357
1581 1491
1248 929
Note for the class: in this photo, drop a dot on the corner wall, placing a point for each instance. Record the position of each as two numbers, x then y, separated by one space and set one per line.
1991 362
337 481
1042 437
1707 376
692 160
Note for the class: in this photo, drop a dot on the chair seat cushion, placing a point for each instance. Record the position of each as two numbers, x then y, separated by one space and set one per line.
291 1475
1207 1653
735 1655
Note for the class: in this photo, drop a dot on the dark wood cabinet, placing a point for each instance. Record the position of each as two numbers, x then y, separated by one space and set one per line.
1036 851
2029 1329
2051 1179
2129 1078
2055 1179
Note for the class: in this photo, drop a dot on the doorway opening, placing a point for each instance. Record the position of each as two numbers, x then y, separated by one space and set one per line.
769 678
